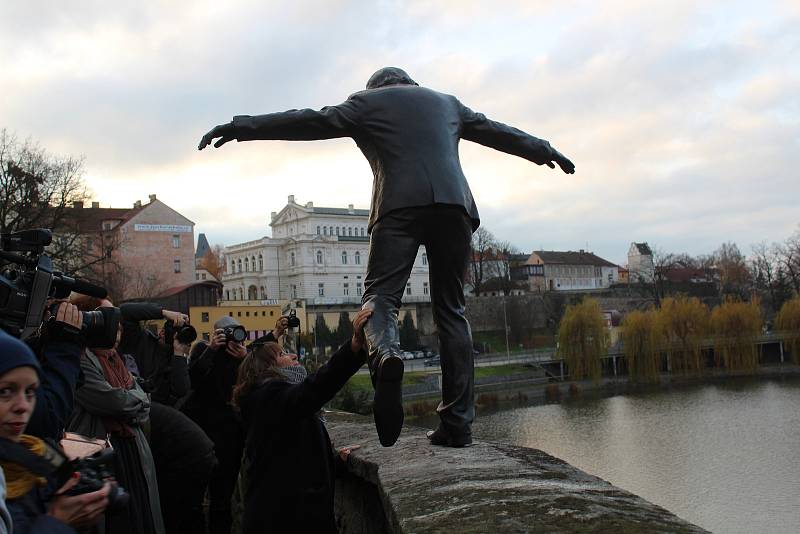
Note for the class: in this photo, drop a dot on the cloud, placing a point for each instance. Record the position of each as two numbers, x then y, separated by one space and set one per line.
682 118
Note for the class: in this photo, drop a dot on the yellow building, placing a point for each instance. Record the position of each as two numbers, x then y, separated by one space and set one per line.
257 317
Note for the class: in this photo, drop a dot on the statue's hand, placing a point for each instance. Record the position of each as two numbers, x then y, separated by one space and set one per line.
566 165
223 131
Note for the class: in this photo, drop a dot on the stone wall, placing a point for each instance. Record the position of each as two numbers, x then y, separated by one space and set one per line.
489 487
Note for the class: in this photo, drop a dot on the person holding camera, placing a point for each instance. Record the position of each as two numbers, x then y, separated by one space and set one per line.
288 465
111 403
34 505
213 370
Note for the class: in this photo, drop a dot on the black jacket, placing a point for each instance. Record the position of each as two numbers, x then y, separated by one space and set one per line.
410 136
288 465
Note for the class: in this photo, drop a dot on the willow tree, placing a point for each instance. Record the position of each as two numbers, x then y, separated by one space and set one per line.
583 339
683 322
641 337
787 322
736 326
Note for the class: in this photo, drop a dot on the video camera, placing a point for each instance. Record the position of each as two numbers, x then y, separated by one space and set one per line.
24 290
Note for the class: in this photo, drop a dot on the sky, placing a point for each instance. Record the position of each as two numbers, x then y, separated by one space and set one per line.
682 117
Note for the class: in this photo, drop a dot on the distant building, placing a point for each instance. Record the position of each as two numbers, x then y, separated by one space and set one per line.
202 249
640 263
138 251
549 270
258 319
317 254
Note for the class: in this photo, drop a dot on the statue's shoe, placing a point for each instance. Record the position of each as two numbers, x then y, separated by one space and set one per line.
387 407
443 438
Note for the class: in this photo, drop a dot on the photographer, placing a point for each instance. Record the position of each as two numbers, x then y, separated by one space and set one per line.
288 466
33 502
59 351
111 403
213 370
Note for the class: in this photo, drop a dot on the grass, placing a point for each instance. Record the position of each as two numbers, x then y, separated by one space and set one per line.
501 370
362 381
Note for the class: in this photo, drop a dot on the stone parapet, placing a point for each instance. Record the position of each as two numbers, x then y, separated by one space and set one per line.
489 487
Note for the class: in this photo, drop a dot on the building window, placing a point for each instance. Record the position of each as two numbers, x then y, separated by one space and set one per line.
238 314
321 289
197 276
362 232
337 230
350 231
260 262
358 258
263 292
291 259
408 288
177 266
424 258
317 230
358 288
344 257
227 294
294 291
204 317
330 230
247 265
206 337
319 257
240 264
253 263
346 289
424 288
325 230
247 314
241 293
204 276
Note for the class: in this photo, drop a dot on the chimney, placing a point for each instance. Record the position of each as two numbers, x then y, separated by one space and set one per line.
310 205
291 199
152 198
349 208
137 204
95 204
272 216
78 204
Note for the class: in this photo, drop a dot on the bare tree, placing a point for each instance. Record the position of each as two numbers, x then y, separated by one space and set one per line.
788 255
768 278
504 264
734 276
480 266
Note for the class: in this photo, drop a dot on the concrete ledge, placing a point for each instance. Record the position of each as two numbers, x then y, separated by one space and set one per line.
489 487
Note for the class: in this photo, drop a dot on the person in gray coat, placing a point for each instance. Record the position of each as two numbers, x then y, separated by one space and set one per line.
110 404
420 196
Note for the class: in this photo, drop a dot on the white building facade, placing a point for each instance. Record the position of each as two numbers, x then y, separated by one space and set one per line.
640 263
317 254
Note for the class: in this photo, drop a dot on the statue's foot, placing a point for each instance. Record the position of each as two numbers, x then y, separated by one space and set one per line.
387 406
443 438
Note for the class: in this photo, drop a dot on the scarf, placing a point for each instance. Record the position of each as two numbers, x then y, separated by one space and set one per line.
117 376
294 374
19 480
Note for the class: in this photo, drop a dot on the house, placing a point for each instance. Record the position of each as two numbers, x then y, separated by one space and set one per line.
134 252
550 270
315 253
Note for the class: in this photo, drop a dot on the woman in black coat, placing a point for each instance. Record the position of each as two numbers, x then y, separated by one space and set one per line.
288 465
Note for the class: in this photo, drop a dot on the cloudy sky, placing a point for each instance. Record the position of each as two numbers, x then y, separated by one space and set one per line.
682 117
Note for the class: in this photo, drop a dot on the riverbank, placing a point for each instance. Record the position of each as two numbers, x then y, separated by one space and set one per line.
501 389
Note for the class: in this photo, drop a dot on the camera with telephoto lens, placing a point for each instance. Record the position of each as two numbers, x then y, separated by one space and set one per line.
236 333
185 334
28 280
94 471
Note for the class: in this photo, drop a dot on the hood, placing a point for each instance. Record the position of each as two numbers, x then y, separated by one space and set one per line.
389 76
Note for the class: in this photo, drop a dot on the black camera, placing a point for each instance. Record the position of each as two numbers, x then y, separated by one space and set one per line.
236 333
94 471
185 334
24 290
293 320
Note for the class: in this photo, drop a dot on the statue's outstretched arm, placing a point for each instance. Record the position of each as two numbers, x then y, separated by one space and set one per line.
476 127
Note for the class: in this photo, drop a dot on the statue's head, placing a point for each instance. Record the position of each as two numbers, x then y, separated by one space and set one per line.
389 76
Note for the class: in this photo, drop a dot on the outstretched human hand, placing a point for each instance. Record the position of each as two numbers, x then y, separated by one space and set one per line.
223 131
566 165
358 340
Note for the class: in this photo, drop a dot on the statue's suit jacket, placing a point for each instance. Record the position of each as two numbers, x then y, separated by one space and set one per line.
410 136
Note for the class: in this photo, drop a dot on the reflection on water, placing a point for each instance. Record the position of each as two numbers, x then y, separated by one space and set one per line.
725 457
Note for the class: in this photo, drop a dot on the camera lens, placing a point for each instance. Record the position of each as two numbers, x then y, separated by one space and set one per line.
187 334
239 334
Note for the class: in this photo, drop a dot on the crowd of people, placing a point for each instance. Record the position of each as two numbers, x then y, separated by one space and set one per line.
217 422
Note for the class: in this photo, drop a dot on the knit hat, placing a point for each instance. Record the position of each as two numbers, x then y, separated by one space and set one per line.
14 353
225 322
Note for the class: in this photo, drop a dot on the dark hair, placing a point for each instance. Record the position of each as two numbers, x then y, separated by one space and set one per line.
260 364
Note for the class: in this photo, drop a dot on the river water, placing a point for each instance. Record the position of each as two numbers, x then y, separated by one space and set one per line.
725 457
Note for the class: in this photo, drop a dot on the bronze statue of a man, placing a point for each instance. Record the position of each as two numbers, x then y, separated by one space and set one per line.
410 135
